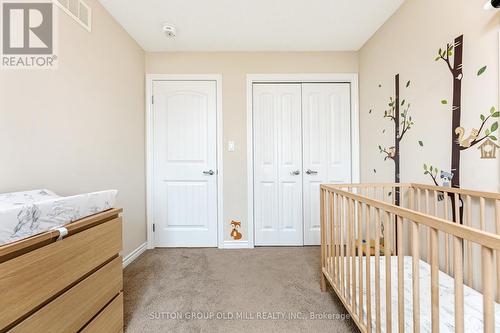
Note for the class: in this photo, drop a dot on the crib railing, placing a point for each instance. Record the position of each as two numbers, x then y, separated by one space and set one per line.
430 223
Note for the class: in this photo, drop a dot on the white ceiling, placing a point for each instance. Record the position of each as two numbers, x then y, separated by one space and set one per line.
252 25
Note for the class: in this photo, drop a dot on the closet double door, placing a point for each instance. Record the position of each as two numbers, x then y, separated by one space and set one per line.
302 138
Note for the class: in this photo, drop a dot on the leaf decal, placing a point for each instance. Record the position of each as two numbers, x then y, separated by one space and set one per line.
407 84
494 126
481 70
421 143
444 102
375 171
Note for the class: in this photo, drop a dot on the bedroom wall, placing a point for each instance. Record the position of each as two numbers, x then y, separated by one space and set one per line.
80 128
234 67
408 44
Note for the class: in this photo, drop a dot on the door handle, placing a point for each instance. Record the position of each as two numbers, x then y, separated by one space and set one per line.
311 172
209 172
295 173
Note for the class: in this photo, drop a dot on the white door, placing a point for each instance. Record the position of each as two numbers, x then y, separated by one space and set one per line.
277 164
326 131
185 163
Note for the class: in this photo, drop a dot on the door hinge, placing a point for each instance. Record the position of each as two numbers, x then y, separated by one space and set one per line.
154 228
152 99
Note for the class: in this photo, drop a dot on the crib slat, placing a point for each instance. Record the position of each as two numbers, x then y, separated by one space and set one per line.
488 299
377 270
393 231
411 205
435 200
337 239
459 284
342 258
388 285
446 248
352 261
416 276
348 250
468 212
334 236
326 231
435 279
401 281
360 261
331 242
497 254
368 271
322 222
456 198
419 200
428 211
481 214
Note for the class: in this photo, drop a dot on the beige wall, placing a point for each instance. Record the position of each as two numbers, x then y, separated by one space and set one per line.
80 128
234 67
407 44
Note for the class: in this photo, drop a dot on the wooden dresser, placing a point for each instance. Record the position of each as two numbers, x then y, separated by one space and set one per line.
69 285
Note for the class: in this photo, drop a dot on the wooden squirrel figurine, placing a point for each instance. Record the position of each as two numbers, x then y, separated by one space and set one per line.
235 233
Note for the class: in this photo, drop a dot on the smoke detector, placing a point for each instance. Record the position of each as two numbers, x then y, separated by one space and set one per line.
169 30
491 4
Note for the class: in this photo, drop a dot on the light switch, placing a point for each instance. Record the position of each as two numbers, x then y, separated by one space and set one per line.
230 146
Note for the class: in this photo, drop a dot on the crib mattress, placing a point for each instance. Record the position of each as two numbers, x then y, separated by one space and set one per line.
25 214
473 300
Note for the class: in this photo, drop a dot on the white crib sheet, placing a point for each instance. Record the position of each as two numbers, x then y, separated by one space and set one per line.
24 214
473 300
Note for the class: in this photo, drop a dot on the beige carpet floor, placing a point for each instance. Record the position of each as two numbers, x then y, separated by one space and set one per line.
211 290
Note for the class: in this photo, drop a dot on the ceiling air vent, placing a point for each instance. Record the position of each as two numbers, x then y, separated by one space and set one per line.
78 10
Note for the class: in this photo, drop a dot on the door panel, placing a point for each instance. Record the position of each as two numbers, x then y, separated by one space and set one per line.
277 164
185 132
327 146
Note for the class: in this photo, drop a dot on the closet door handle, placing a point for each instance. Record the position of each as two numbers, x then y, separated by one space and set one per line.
311 172
295 173
209 172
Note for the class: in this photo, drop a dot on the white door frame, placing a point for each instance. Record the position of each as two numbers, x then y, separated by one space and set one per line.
351 78
150 78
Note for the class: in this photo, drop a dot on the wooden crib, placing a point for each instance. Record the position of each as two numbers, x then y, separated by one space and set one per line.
407 267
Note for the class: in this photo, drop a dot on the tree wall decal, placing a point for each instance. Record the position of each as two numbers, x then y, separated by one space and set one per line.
460 141
400 119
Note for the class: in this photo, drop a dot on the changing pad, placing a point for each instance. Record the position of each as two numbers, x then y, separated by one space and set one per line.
24 214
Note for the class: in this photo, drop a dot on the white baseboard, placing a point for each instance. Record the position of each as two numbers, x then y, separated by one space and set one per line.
134 254
236 245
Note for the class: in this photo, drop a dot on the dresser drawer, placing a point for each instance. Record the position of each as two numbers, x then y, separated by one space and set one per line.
109 320
73 309
29 281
